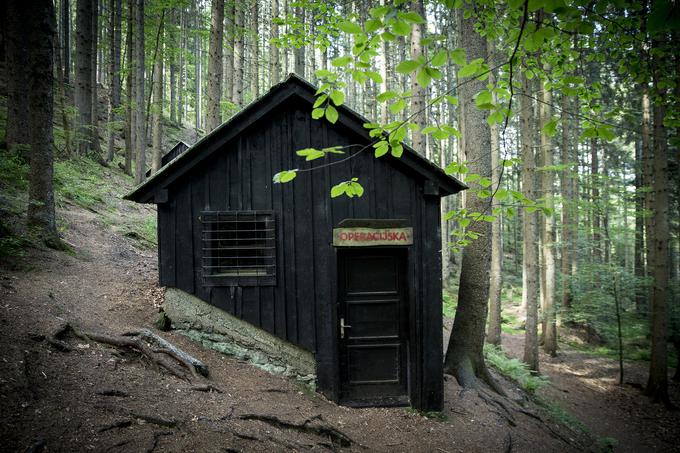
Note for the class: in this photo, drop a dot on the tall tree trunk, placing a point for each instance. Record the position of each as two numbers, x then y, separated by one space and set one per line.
299 55
181 66
129 88
529 231
255 55
647 181
548 242
60 92
40 35
157 130
418 93
215 65
657 385
596 202
464 355
228 57
83 88
274 59
198 104
237 96
140 133
116 7
94 100
172 34
568 227
17 132
66 39
493 332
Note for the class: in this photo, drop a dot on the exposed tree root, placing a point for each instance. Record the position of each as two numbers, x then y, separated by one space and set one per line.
205 388
113 392
314 425
140 341
154 440
117 424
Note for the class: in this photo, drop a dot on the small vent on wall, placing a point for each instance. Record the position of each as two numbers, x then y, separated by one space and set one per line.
239 248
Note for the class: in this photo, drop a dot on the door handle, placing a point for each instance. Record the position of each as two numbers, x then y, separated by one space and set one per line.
343 326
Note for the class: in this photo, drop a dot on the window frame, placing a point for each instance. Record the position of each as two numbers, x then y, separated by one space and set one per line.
209 221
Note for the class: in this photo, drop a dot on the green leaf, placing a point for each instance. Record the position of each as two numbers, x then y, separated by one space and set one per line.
484 100
358 188
320 100
374 76
514 4
317 113
340 62
464 222
331 114
350 27
423 78
323 73
484 182
381 148
400 28
469 69
407 66
458 56
440 58
550 128
398 106
373 25
412 17
386 96
397 150
338 190
285 176
338 97
452 100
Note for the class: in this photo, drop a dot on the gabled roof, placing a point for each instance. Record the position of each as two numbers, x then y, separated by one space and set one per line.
296 86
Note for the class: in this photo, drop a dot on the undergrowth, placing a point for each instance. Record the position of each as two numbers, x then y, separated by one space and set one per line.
514 369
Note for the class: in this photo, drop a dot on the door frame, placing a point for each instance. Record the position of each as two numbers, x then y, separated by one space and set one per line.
404 253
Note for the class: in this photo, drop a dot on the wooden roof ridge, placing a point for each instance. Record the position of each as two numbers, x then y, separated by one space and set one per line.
293 85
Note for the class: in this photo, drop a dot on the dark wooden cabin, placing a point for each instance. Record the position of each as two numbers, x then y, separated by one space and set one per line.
356 281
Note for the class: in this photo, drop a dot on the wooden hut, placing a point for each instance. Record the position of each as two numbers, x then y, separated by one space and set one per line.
355 281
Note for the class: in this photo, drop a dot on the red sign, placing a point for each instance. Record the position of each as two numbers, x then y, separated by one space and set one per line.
358 237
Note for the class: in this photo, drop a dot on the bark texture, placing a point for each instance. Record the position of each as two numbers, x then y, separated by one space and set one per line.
140 133
16 47
215 65
418 92
83 79
529 232
42 29
464 355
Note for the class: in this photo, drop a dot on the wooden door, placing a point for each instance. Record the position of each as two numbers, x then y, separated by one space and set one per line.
372 306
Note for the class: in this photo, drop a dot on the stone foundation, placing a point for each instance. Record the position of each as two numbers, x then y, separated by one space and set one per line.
216 329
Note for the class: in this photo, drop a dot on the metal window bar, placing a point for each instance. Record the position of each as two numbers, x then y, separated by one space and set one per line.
238 244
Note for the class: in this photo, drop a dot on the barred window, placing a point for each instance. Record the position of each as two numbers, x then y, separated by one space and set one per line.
239 248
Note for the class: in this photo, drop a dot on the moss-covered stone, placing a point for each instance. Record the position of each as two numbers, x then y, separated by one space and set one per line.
218 330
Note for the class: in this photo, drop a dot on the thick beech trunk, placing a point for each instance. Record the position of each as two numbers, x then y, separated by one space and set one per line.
237 89
464 355
418 111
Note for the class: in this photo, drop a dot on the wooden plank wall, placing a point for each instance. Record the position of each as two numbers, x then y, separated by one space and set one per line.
301 307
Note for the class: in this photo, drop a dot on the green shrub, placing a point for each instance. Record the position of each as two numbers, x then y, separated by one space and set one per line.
514 369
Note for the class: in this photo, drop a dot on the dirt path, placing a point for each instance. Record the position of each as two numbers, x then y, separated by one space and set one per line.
59 400
587 387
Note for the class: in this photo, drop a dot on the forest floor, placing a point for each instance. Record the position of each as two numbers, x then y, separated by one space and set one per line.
100 398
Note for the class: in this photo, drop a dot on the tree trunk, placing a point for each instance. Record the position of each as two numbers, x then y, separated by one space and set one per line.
114 71
299 54
94 100
237 96
657 385
529 231
157 131
418 110
464 355
228 58
129 88
172 34
66 39
596 203
83 82
198 104
41 25
215 65
493 332
255 55
548 242
275 63
140 133
568 227
647 174
17 132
